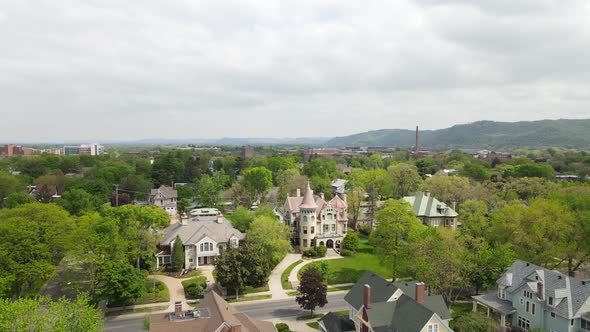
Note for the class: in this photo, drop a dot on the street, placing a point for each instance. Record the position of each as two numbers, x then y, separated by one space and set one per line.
264 310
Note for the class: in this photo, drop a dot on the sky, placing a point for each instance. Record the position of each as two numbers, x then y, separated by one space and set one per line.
103 70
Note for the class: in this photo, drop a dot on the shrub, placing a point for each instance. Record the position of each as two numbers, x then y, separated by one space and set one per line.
351 241
282 327
365 229
316 252
193 291
346 252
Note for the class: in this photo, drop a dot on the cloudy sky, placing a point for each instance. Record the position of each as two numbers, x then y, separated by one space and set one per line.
112 69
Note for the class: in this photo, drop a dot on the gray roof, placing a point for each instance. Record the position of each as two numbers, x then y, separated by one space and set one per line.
491 300
573 292
435 303
381 290
425 205
335 323
164 192
198 228
403 315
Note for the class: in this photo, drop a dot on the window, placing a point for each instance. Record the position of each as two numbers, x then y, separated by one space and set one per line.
304 218
572 322
528 306
433 328
190 260
524 323
435 222
312 229
500 292
550 300
344 228
305 243
552 315
304 229
585 324
528 294
521 301
206 246
312 218
334 228
326 228
533 307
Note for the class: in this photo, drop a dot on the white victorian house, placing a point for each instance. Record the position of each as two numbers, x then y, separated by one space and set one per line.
203 238
166 198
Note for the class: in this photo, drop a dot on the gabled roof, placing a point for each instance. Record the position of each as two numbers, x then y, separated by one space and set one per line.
195 230
570 293
308 200
381 290
335 323
425 205
403 315
164 192
435 303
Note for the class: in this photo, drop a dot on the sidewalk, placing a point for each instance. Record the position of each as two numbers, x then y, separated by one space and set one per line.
274 281
331 254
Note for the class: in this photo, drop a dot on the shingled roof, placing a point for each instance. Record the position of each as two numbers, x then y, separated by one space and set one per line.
195 230
425 205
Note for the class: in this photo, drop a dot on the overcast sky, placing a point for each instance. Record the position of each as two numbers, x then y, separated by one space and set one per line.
105 70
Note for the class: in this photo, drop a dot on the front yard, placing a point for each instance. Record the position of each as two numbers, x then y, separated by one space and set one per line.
194 287
156 292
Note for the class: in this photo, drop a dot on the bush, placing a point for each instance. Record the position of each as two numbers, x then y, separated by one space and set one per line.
282 327
351 241
194 291
316 252
365 230
346 252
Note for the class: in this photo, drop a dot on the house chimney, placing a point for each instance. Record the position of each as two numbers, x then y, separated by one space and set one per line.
322 195
219 218
298 192
184 219
367 296
178 309
427 193
420 292
576 275
540 290
236 328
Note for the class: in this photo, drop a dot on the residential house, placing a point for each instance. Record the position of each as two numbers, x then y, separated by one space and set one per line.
378 305
433 212
212 314
166 198
317 222
203 238
529 296
338 186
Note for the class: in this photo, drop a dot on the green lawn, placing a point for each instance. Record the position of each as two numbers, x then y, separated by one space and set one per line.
153 295
201 280
349 269
285 276
251 290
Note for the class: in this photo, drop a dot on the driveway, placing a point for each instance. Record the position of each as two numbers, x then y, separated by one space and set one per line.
274 280
176 290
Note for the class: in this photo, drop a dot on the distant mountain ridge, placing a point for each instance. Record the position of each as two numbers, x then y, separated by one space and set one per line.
574 133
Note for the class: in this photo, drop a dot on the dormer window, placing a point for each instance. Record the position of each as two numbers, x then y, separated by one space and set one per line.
550 301
501 292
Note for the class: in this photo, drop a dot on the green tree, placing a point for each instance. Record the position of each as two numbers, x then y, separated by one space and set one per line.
42 314
241 219
167 169
355 197
404 179
270 235
475 322
208 192
313 291
177 259
396 222
476 171
16 199
426 166
449 189
473 217
231 271
257 181
8 185
77 202
485 264
121 284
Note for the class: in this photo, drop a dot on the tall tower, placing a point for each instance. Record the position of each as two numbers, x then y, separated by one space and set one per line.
307 215
417 146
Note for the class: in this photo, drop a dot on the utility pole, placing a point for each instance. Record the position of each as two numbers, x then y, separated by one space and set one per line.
117 195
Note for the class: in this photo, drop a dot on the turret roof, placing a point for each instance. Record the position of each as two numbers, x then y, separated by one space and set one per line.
308 200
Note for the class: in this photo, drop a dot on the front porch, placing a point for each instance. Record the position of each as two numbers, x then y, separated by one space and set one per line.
499 309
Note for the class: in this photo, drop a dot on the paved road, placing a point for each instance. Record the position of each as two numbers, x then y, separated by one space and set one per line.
265 310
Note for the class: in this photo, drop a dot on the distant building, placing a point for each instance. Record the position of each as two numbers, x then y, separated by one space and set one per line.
338 186
433 212
248 152
212 314
93 149
166 198
16 150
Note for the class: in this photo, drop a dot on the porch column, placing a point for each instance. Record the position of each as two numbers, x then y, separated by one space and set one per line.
157 262
474 306
196 257
488 311
503 321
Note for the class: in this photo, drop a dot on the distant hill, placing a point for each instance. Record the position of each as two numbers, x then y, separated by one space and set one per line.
481 134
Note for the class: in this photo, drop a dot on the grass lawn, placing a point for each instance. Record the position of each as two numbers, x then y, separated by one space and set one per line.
134 311
251 290
159 294
314 325
249 298
191 274
349 269
461 309
285 276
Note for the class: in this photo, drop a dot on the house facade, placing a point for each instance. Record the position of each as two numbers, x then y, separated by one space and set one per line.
433 212
378 305
317 222
529 296
203 239
166 198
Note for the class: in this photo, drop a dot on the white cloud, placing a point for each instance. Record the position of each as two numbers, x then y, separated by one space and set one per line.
123 70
